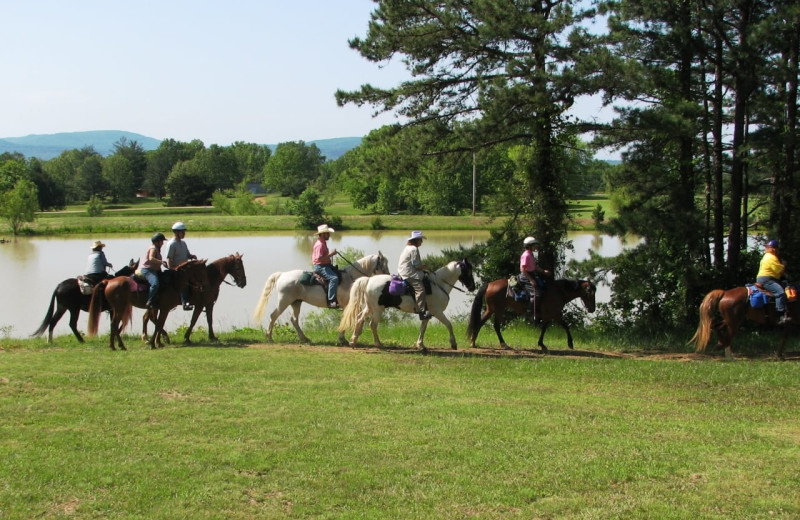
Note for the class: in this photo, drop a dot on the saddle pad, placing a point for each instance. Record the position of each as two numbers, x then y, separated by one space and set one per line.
137 286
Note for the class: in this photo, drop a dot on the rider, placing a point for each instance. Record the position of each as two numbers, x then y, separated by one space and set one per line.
412 270
770 271
97 264
321 259
530 273
178 253
151 268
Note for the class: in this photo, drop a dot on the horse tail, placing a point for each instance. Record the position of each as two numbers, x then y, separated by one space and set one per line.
707 310
47 317
358 299
258 314
96 307
475 313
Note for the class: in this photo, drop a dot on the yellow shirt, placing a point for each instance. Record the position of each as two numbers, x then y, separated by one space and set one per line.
770 266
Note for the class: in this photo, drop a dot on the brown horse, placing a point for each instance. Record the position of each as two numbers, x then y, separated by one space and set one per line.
217 271
122 293
67 297
550 306
725 310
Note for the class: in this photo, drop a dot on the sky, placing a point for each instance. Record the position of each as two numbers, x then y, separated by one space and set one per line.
259 71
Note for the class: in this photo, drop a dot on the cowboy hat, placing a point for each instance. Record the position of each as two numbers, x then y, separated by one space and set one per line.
97 244
415 235
323 228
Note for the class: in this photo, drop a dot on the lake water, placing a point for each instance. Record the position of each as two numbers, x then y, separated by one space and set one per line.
33 267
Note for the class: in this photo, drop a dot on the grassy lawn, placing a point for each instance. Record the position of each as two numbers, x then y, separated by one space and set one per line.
147 215
242 430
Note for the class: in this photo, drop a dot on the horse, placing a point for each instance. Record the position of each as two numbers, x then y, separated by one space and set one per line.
294 293
217 271
550 306
370 296
724 310
122 293
68 296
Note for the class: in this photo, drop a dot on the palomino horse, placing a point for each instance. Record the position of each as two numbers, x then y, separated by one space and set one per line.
217 271
725 310
550 307
294 293
68 297
122 293
369 297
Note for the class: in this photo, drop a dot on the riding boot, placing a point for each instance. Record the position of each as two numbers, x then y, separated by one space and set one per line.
783 319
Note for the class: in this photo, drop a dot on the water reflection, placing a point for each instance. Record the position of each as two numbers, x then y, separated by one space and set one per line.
37 265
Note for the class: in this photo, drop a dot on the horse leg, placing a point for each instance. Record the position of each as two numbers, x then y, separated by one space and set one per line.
296 322
442 318
119 337
486 314
145 319
421 339
569 334
373 325
210 320
541 336
195 314
498 321
73 323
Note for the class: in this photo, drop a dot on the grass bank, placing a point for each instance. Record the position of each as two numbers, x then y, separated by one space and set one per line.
241 431
147 215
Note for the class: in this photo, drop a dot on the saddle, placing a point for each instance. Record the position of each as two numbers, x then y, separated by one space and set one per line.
139 283
518 288
85 285
394 290
313 278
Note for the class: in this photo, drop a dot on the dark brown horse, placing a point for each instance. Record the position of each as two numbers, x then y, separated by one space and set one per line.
550 306
217 271
67 296
123 293
724 311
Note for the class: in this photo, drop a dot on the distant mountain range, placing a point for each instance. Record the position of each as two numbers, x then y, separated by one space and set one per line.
48 146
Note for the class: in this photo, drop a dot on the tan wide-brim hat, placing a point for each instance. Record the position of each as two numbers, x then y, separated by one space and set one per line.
324 229
97 244
415 235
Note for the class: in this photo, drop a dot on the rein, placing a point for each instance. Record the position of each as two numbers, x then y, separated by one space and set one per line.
354 266
452 286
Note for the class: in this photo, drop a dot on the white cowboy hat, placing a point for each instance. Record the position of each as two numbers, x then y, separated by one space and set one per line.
97 244
415 235
323 228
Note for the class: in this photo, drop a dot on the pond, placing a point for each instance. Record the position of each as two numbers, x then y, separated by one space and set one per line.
35 266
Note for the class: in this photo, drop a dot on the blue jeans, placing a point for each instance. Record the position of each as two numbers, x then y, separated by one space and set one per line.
774 286
326 271
152 279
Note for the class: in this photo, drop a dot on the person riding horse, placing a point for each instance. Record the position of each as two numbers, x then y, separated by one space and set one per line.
530 274
770 272
321 260
178 253
151 267
96 264
412 270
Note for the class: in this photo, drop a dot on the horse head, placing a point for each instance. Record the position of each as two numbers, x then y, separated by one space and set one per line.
466 276
381 265
236 270
587 293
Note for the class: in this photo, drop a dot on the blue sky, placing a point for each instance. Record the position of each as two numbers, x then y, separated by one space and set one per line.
262 71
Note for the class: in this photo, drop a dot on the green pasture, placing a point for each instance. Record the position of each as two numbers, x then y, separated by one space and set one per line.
148 215
239 429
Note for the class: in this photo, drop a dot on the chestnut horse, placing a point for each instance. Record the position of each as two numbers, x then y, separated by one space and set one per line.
67 296
550 306
725 310
123 293
217 271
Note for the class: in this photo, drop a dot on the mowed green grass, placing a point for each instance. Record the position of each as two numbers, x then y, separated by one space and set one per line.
248 431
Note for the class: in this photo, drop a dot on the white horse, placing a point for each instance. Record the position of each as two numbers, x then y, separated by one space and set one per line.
294 293
370 296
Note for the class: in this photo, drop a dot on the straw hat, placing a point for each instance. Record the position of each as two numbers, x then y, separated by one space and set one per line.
415 235
323 228
97 244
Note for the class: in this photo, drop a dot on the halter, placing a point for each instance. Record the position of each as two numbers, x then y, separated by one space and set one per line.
236 282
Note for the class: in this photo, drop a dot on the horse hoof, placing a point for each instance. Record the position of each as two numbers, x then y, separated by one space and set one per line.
544 349
504 346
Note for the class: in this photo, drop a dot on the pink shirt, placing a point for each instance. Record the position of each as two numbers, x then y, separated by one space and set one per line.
319 255
527 261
